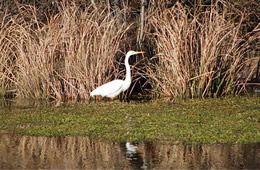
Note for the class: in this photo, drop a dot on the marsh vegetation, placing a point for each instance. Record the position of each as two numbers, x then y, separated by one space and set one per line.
223 120
62 50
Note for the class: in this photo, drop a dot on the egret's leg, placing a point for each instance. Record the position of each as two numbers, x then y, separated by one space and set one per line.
121 97
126 96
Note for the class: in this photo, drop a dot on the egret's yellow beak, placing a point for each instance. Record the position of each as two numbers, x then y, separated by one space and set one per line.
139 52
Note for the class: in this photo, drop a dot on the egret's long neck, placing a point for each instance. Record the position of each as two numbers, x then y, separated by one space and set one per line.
128 71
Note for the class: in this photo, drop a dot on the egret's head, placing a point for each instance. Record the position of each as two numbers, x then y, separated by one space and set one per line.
129 53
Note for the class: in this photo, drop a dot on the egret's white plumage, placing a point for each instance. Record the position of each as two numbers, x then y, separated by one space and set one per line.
115 87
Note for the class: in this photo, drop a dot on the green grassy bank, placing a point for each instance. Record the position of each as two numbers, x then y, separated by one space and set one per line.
222 120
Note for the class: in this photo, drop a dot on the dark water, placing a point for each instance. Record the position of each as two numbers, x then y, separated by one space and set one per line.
29 152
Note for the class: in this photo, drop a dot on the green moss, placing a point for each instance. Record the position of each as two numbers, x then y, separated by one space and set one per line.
222 120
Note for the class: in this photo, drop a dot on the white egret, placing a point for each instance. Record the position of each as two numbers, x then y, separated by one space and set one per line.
115 87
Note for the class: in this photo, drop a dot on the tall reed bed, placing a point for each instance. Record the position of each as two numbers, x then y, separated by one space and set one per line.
200 54
64 57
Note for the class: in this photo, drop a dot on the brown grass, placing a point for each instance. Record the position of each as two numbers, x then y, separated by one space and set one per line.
202 54
70 50
63 58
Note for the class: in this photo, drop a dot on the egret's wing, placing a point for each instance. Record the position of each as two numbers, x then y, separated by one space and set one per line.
109 89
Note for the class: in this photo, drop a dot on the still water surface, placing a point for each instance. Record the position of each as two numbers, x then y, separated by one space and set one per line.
29 152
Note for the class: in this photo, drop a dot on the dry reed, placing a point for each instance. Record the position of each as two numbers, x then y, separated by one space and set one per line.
63 58
201 54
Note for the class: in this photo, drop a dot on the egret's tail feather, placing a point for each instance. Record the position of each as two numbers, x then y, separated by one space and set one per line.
92 93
